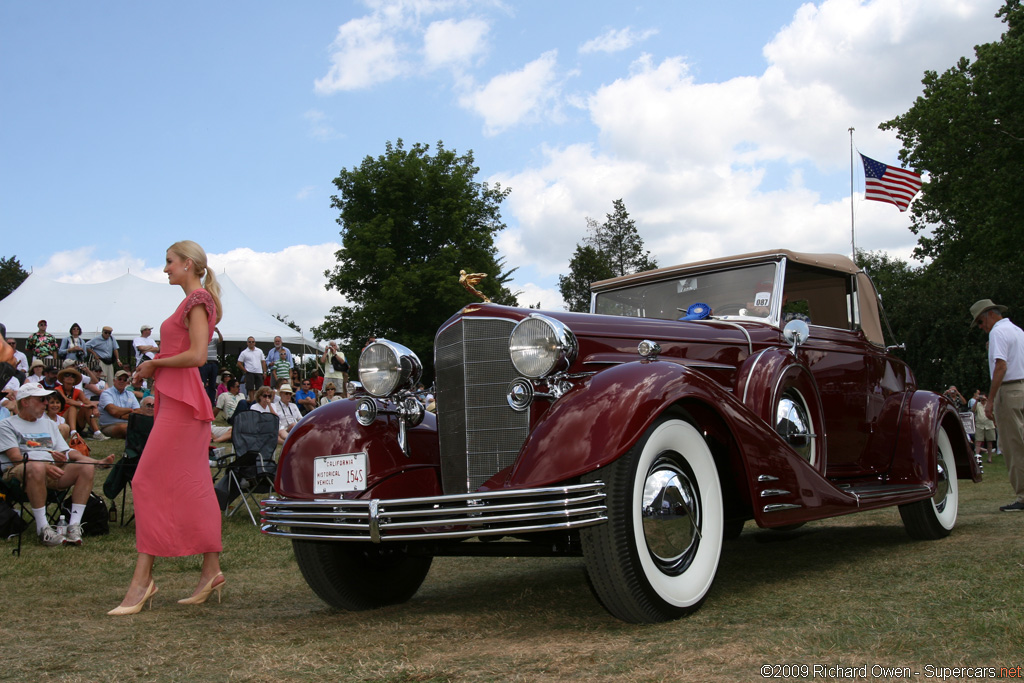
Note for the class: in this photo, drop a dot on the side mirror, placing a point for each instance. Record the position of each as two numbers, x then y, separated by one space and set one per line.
796 333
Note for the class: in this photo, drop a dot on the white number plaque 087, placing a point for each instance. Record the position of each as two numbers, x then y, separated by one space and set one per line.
334 473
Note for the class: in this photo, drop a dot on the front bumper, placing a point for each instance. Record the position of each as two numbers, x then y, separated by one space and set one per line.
465 515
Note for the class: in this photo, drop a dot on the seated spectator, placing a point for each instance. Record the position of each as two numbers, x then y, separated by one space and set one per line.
72 347
223 386
33 451
330 394
147 405
264 401
92 386
43 345
50 378
219 433
293 377
79 412
145 346
20 359
305 397
288 413
140 388
35 372
228 402
116 404
55 405
317 382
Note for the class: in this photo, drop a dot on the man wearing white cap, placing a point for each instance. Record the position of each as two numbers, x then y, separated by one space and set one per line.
1006 393
144 345
33 452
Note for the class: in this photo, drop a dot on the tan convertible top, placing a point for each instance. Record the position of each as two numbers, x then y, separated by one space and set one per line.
867 299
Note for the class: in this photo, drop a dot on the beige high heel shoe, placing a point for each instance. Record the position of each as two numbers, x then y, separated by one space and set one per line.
200 597
151 590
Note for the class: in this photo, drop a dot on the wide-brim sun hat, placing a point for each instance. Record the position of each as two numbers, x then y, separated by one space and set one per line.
981 306
70 371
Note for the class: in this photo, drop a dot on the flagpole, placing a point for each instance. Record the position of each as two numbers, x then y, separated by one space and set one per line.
853 234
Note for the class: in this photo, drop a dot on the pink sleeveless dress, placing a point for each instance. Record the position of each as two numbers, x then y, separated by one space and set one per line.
176 510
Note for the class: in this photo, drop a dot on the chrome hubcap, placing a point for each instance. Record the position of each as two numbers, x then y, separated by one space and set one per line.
671 515
793 424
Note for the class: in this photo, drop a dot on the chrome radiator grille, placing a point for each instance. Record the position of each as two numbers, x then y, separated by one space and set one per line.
479 433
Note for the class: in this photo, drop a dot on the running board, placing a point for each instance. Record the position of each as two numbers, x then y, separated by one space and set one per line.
872 491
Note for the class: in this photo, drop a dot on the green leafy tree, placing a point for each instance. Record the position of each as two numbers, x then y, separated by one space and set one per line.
967 131
587 265
289 322
611 249
411 220
11 275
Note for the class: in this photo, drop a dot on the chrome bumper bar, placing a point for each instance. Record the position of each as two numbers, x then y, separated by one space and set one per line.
491 513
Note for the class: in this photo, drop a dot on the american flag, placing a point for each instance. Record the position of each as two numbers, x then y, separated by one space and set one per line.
884 183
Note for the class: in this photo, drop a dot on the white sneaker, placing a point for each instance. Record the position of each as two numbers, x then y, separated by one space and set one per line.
74 535
49 537
99 436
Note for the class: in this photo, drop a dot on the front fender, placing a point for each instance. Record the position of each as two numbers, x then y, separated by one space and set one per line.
332 430
598 421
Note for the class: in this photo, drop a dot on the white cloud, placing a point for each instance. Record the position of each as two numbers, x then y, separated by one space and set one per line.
305 193
290 282
616 40
517 96
454 43
698 164
364 53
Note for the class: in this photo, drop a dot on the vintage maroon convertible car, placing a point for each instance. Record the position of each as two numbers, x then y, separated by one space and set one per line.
640 435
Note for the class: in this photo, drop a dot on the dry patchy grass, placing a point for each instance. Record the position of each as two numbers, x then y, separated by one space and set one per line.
849 591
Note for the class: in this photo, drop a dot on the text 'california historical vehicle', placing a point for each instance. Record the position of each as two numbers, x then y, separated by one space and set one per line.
639 436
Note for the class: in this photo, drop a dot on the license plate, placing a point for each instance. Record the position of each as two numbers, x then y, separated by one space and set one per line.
334 473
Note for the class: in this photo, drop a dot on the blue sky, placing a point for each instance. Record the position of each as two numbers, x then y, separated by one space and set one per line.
723 126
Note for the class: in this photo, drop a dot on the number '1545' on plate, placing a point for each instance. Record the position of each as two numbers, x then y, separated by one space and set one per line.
335 473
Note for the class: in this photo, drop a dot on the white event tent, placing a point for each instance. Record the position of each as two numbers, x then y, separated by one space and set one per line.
128 302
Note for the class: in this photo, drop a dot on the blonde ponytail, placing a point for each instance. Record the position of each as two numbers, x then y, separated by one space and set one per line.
187 249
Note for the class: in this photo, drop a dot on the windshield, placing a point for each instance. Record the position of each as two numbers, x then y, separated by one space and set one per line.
737 292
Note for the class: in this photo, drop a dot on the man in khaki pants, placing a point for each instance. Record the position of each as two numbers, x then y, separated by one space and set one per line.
1006 393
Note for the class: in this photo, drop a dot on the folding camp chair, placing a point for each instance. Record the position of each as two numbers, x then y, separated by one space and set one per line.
13 492
120 478
254 438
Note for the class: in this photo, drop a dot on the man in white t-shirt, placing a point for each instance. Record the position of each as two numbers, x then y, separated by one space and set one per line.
145 346
253 365
33 452
20 358
1006 393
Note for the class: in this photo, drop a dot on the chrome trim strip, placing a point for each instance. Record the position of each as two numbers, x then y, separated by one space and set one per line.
750 342
488 513
766 477
768 493
779 507
753 366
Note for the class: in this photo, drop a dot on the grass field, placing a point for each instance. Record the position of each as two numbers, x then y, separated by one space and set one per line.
853 591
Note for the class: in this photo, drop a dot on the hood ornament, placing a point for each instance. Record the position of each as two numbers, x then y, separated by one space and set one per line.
469 280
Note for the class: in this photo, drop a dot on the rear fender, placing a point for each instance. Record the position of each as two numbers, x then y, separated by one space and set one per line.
925 414
332 430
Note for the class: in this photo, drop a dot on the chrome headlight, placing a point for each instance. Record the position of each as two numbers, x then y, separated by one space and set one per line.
386 367
540 345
